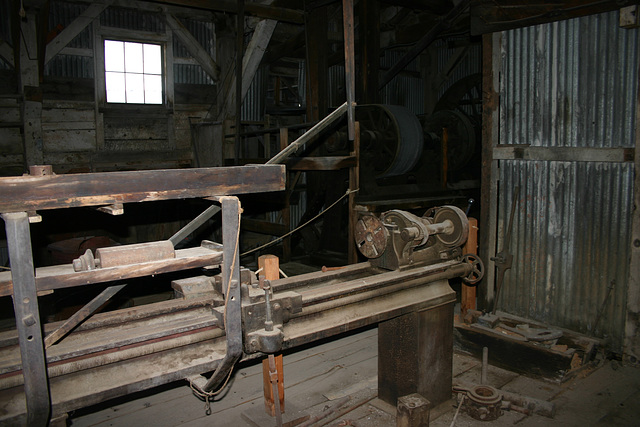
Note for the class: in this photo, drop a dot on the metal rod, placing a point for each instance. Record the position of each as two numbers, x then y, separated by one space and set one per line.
485 365
81 315
282 156
349 64
25 304
194 224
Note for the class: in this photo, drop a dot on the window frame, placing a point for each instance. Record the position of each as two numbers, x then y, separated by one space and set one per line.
163 39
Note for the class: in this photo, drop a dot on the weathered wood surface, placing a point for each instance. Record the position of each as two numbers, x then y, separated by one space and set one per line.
18 194
63 276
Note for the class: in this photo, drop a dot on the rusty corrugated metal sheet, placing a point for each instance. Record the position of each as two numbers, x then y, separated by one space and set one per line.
566 84
570 241
569 84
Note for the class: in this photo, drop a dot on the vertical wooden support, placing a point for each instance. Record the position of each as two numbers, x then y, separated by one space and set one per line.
354 184
271 269
468 297
31 91
369 29
415 355
286 212
491 64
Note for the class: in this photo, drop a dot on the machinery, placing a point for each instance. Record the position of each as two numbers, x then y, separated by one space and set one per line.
221 313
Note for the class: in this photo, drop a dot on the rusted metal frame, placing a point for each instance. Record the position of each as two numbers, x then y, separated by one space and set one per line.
231 286
18 194
25 304
81 315
349 64
424 42
491 64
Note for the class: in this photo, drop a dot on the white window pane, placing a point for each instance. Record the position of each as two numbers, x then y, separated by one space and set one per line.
133 57
152 89
113 55
152 59
115 87
135 88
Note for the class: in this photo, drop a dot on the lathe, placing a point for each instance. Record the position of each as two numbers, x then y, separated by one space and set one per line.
222 313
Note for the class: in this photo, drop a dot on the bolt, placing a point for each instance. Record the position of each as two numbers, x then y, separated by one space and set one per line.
253 343
29 320
276 306
636 243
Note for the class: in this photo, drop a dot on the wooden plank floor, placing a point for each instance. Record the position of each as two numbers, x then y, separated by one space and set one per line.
317 377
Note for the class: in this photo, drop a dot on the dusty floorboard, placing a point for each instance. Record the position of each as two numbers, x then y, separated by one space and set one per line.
318 377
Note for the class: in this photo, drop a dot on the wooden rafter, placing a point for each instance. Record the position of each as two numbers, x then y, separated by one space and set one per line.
70 32
193 46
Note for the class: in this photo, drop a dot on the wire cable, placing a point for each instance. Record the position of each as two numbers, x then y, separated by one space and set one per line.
273 242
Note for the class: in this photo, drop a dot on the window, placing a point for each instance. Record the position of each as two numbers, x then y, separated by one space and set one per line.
133 72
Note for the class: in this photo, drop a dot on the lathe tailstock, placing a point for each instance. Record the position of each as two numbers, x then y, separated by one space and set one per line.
216 320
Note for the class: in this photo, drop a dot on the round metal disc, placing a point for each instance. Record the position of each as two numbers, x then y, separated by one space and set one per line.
370 236
460 225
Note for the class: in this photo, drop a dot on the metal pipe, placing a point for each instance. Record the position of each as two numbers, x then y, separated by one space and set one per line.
485 365
194 224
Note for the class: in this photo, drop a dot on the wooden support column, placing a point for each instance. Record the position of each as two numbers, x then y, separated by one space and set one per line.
30 88
491 64
271 270
369 28
354 184
286 212
415 355
317 60
468 297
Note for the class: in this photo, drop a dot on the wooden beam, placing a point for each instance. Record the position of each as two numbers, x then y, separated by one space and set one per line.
80 23
424 42
250 62
193 46
292 16
30 193
488 16
6 52
563 154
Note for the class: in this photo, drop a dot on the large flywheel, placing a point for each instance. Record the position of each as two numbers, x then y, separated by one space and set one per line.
392 139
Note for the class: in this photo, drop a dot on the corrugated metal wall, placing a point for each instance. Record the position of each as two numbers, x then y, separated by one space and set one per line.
569 84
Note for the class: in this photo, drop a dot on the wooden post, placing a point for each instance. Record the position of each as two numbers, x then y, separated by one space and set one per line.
286 212
468 297
354 184
271 270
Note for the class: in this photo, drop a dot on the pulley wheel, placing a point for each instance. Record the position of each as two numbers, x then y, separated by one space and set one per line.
370 236
460 225
477 269
392 141
461 143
